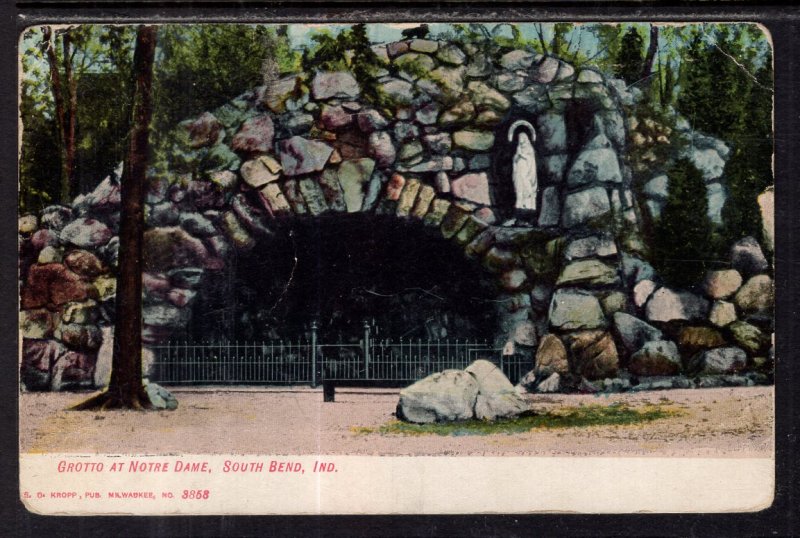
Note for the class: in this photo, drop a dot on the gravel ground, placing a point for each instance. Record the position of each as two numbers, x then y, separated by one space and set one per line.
724 422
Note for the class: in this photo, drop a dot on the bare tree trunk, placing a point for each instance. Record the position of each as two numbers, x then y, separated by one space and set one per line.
125 388
71 115
649 58
58 98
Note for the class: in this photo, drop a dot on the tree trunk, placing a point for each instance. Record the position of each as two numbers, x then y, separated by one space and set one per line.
650 56
125 388
58 98
71 115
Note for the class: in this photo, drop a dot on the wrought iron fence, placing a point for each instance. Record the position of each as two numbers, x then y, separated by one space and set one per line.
306 361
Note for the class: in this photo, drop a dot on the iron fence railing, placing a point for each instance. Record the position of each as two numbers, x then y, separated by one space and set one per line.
305 361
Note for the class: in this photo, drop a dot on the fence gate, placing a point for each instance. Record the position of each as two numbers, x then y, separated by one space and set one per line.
308 361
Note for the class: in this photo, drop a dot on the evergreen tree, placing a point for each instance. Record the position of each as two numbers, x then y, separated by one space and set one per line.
682 241
629 58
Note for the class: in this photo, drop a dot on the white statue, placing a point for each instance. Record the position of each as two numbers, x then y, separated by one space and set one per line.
524 167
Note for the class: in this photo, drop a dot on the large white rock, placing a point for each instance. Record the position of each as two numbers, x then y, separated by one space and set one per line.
444 396
496 395
573 310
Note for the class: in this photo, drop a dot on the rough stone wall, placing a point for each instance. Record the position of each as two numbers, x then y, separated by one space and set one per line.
311 144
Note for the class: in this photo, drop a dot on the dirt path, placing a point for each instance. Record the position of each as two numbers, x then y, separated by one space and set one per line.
725 422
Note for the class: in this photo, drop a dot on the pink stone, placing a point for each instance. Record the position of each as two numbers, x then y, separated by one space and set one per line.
472 187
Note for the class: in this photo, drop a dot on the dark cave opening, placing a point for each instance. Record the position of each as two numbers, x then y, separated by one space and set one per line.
340 271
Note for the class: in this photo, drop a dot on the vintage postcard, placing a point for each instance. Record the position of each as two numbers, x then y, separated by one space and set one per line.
377 268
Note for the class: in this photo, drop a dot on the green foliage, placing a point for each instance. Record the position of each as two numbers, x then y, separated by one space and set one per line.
569 417
629 58
682 243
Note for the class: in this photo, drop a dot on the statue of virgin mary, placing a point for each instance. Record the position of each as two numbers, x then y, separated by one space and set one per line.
523 173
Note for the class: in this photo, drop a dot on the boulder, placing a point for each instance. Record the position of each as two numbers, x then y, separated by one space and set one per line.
551 357
260 171
279 92
594 355
496 395
381 148
595 165
204 130
517 59
509 82
50 254
84 312
339 84
766 203
642 291
85 233
449 53
657 357
722 284
370 120
255 135
634 333
38 356
334 117
36 323
73 370
84 263
412 65
749 337
354 176
473 187
668 305
165 248
78 336
692 339
721 360
722 313
484 96
550 213
197 224
52 284
524 333
27 224
55 217
587 273
447 83
748 258
160 398
44 238
302 156
444 396
572 310
550 385
584 205
397 91
589 247
474 140
757 296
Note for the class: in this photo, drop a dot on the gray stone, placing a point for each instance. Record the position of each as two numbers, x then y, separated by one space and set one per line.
313 195
410 153
484 96
658 357
341 84
160 398
550 213
335 117
161 214
517 59
509 82
496 395
85 233
371 120
55 217
302 156
757 296
381 148
552 131
707 161
405 132
474 140
186 277
748 258
722 284
635 269
397 91
353 177
297 123
426 46
633 332
590 76
438 143
721 360
412 64
197 225
595 165
668 305
547 70
717 195
572 310
551 384
657 188
449 53
445 396
766 204
164 316
584 205
589 247
428 114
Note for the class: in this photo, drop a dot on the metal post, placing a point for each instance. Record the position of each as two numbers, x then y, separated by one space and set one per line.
314 353
366 347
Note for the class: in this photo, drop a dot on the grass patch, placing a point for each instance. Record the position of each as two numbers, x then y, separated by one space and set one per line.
569 417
